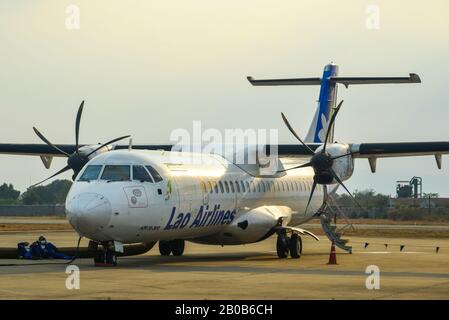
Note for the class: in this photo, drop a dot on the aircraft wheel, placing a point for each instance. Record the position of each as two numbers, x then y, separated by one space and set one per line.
111 258
282 245
295 246
99 257
177 247
164 248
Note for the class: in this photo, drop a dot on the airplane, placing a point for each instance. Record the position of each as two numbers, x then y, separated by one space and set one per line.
148 194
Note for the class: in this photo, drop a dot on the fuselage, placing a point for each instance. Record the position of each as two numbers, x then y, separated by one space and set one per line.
145 196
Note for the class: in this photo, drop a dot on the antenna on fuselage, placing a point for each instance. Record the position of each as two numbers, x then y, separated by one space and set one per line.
130 146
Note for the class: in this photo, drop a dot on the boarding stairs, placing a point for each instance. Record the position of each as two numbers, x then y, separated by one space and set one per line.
333 232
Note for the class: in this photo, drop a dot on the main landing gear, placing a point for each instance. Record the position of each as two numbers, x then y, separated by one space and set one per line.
286 244
176 247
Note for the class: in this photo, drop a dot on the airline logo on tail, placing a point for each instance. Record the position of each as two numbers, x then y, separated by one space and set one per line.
318 127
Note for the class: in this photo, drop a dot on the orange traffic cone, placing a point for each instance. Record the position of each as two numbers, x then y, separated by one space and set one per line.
333 255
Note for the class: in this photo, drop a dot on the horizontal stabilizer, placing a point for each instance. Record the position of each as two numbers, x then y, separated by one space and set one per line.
346 81
413 78
285 82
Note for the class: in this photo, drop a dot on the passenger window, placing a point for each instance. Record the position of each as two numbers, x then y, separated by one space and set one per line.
211 187
252 187
156 176
140 174
221 186
243 186
231 183
216 187
237 185
116 173
247 186
226 186
203 187
91 173
258 187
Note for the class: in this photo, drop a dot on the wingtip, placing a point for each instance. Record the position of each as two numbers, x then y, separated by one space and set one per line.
414 78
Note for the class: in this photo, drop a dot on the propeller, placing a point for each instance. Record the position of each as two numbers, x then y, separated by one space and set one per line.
77 159
321 161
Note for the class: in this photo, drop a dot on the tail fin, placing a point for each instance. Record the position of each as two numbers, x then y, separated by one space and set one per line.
326 101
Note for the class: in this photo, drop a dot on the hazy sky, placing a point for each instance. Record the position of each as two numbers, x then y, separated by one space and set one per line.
148 67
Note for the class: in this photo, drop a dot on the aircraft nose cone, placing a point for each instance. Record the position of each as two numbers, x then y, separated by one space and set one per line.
89 213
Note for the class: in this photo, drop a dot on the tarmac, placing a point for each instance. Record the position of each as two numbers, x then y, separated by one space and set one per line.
237 272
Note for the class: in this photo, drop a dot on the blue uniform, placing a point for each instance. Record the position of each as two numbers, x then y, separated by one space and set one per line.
38 251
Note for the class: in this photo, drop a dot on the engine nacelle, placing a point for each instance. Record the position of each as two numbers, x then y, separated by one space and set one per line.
343 167
85 150
252 226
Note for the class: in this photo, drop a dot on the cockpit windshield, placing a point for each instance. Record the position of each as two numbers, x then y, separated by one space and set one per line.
116 173
156 176
91 173
140 174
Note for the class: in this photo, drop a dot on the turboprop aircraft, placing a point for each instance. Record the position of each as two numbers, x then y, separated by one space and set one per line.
128 194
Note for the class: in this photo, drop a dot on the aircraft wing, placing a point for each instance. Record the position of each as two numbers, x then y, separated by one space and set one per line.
39 149
399 149
372 151
35 149
362 150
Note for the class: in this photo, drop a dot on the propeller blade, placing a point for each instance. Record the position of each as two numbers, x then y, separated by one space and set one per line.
109 142
329 127
347 190
77 125
66 168
308 164
41 136
311 194
295 134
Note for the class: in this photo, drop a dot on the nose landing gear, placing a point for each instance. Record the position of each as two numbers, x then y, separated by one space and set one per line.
286 244
105 256
176 247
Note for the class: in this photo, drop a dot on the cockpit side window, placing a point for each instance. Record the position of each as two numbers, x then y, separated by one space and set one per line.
91 173
116 173
156 176
140 174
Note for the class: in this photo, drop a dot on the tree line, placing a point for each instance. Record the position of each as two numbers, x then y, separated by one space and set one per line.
52 193
376 205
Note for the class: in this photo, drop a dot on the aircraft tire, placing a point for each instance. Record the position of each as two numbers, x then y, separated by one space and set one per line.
164 248
282 246
99 257
295 246
177 247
